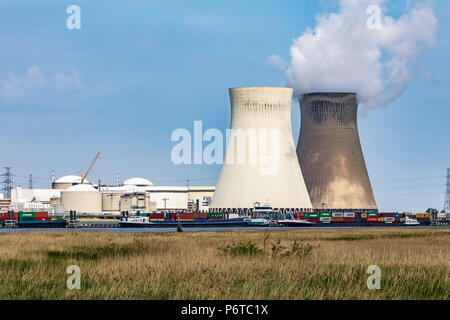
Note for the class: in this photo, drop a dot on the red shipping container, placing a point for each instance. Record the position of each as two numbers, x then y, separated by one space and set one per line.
372 219
387 214
155 215
185 215
4 216
337 219
41 214
199 215
43 219
349 219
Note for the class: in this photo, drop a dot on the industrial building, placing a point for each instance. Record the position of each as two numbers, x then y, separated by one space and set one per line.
330 155
279 182
134 195
83 198
32 199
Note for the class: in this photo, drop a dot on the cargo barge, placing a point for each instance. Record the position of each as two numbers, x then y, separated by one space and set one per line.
30 220
145 222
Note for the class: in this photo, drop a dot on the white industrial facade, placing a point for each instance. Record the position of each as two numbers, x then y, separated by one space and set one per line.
275 179
82 198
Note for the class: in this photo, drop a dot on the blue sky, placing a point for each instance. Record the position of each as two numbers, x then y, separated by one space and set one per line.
137 70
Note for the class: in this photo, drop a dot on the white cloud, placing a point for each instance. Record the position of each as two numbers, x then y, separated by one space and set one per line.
35 89
277 62
342 54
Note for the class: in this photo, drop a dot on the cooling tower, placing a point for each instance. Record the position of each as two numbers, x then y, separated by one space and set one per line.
330 155
276 179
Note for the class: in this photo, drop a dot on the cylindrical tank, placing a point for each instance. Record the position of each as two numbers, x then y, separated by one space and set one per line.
82 198
260 163
329 152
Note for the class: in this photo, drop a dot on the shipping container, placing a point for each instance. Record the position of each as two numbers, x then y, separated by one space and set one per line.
43 219
311 215
23 215
200 215
380 219
363 215
361 219
372 215
372 219
387 214
337 219
338 215
349 215
153 216
324 214
42 214
325 219
215 215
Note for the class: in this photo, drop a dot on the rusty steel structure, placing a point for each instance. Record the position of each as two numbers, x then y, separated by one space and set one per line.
330 154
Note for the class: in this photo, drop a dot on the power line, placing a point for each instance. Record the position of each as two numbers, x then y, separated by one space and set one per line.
447 193
409 179
7 182
410 187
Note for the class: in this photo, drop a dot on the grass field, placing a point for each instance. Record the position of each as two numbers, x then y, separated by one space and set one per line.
288 264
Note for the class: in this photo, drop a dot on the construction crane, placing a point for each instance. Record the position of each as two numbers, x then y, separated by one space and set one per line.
90 167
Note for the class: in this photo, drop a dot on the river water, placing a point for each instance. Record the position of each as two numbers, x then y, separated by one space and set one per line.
164 230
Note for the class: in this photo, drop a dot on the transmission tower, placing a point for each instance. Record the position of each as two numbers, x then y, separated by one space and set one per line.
7 182
30 182
447 194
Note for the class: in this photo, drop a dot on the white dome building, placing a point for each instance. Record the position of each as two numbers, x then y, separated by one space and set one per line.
138 182
67 182
82 198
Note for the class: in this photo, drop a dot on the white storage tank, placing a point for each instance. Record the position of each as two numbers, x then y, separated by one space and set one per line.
67 182
82 198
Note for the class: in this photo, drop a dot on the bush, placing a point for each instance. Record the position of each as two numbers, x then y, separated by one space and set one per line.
242 248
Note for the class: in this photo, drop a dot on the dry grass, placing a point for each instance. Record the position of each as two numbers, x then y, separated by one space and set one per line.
415 264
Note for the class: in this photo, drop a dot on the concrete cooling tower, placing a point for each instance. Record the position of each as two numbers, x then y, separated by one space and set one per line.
260 125
330 155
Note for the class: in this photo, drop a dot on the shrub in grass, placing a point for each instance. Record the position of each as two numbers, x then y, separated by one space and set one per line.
242 248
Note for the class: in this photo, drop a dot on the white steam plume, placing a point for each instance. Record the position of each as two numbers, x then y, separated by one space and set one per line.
343 54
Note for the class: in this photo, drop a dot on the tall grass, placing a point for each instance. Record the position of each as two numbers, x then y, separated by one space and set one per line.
415 264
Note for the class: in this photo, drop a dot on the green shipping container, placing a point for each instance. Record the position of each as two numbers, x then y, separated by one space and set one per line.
24 215
325 214
311 215
215 215
372 215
